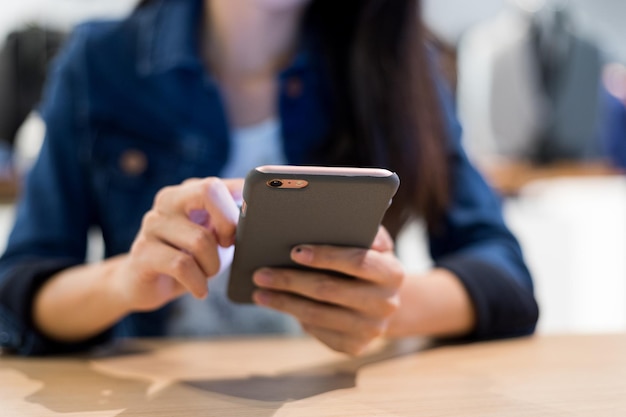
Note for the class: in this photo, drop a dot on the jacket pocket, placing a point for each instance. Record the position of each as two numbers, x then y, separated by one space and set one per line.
127 172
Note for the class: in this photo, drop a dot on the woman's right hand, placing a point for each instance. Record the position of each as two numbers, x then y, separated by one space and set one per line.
176 249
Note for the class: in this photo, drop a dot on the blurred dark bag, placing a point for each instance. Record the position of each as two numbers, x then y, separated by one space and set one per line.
24 61
570 68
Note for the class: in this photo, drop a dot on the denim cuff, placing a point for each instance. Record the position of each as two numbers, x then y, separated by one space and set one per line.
18 287
503 307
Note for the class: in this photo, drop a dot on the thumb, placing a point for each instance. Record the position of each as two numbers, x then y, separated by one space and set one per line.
235 187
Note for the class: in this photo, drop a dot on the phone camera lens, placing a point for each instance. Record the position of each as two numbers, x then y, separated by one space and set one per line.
275 183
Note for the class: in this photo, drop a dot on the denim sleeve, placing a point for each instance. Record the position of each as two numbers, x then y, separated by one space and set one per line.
54 212
613 130
475 244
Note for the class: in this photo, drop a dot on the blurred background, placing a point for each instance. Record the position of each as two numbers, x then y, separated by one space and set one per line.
540 87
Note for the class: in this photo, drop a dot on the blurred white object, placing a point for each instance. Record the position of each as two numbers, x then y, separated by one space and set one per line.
28 142
412 247
62 14
573 232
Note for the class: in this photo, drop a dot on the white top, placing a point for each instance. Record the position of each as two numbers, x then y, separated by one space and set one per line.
217 315
253 146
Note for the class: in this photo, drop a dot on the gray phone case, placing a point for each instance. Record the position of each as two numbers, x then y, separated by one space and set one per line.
333 209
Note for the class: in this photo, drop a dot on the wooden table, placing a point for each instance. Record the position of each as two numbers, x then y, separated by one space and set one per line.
541 376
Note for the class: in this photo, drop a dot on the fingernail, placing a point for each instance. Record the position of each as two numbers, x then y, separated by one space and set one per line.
199 216
263 277
262 297
303 254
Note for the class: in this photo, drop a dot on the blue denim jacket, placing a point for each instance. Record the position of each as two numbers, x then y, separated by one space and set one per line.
129 109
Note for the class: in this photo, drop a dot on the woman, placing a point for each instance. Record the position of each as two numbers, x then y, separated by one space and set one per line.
208 89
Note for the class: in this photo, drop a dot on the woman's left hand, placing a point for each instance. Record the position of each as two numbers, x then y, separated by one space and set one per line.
344 313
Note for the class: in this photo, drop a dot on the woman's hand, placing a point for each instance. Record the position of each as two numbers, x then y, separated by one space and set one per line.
176 249
345 313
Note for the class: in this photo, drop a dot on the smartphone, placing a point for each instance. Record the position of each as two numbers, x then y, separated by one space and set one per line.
284 206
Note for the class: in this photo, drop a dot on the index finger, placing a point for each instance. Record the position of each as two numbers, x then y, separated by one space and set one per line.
213 195
367 264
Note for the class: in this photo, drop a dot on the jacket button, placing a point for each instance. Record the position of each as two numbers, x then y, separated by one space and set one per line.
294 87
133 162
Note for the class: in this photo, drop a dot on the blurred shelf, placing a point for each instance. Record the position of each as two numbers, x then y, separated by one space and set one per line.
511 176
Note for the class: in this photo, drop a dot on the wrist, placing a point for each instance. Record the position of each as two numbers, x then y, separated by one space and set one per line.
79 302
433 304
113 287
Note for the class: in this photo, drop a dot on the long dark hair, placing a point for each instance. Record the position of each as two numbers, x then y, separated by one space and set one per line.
387 109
